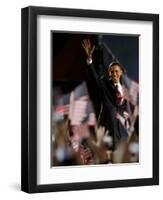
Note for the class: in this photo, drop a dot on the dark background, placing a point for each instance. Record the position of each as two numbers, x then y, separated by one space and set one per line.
126 49
69 59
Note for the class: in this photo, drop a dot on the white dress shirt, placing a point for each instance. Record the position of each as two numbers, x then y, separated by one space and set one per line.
120 88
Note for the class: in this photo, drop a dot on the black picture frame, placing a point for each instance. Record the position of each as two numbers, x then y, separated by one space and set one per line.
29 98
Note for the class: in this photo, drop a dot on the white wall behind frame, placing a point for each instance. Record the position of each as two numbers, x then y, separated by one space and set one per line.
10 78
48 175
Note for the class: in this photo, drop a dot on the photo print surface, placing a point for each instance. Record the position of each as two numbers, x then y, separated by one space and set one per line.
95 99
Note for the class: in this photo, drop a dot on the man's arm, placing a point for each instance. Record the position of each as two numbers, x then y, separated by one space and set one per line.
92 75
93 78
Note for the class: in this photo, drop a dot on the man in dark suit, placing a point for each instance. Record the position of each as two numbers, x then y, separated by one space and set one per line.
108 97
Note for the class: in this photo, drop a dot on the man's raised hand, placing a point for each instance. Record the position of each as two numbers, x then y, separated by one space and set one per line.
89 49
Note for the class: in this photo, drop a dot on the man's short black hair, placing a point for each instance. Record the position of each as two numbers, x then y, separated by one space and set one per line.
115 62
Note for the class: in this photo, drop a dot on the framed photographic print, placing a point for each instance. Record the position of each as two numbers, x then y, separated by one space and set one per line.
90 99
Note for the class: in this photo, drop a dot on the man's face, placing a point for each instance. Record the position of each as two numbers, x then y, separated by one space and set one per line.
115 73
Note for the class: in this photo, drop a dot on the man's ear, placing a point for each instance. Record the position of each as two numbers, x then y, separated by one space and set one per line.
121 72
109 72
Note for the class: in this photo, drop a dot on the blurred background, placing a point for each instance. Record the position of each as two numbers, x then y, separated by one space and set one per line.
76 139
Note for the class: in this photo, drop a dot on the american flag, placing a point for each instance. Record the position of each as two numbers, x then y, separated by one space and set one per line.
77 106
133 92
81 108
78 111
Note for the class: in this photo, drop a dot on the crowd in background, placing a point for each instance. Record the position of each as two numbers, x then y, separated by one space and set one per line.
76 137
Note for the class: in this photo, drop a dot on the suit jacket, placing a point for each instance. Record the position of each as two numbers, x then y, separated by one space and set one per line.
103 94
